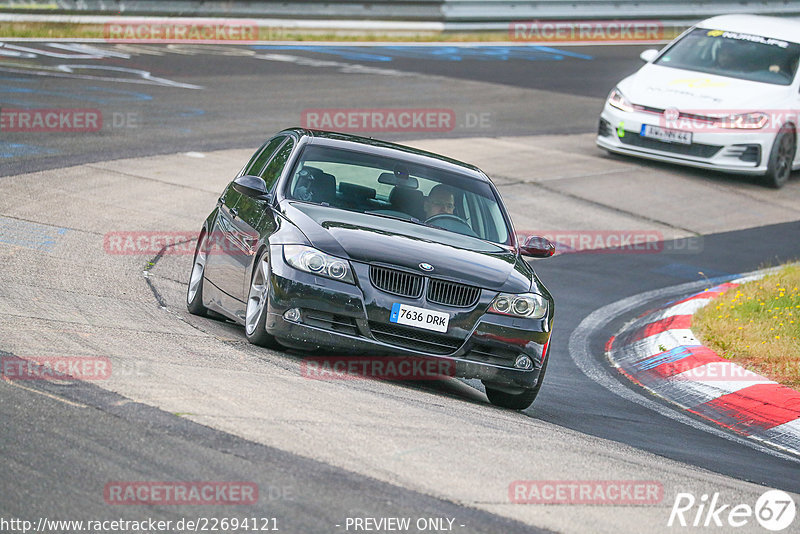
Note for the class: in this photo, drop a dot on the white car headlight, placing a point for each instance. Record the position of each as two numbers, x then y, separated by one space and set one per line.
529 305
618 100
314 261
748 121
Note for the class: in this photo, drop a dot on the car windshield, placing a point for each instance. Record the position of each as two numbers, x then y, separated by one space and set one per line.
388 187
733 54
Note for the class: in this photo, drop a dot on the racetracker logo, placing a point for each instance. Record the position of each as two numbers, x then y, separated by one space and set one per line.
379 120
50 120
728 120
600 241
176 243
714 372
56 368
181 493
549 31
179 31
384 368
614 492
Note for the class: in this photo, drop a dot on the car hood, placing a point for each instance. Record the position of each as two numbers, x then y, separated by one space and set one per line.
667 87
380 240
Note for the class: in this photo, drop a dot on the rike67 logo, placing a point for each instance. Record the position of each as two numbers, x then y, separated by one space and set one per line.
774 510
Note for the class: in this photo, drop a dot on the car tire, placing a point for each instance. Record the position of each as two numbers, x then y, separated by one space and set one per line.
194 289
258 304
517 401
779 167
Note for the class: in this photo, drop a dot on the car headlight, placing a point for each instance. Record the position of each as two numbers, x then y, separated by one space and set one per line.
313 261
748 121
618 100
529 305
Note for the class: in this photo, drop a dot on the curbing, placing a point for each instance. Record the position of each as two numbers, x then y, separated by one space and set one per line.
659 352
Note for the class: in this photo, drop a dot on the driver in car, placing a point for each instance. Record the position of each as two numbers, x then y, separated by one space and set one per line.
440 201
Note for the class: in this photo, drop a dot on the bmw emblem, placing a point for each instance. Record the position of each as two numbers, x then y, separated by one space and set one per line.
426 266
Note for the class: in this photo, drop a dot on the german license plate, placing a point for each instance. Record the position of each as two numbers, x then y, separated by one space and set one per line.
419 317
667 135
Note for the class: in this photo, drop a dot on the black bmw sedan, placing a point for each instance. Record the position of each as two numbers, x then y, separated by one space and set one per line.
332 241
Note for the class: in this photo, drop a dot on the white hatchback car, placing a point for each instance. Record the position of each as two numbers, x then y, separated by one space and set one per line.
725 95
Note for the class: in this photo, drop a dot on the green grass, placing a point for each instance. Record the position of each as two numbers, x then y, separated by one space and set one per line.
52 30
757 325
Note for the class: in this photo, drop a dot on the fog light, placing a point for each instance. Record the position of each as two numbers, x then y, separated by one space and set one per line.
292 314
523 362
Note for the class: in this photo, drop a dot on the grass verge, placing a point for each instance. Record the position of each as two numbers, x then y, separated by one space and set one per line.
62 30
757 325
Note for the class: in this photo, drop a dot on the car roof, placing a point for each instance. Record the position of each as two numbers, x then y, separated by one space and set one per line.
786 29
385 148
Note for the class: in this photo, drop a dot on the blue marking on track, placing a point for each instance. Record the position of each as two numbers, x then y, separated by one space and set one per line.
673 355
351 53
439 53
29 235
191 112
169 118
125 96
13 150
131 95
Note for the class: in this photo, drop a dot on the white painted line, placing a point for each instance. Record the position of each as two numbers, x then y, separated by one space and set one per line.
786 433
686 308
757 276
44 393
662 342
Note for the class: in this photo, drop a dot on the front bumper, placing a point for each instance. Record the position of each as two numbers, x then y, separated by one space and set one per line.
733 151
354 319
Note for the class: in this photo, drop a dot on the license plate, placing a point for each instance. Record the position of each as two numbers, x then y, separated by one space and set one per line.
666 135
419 317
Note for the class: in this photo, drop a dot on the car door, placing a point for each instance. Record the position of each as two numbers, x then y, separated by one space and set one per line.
232 238
255 217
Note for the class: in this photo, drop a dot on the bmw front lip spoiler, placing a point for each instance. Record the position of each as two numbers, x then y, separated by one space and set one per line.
348 313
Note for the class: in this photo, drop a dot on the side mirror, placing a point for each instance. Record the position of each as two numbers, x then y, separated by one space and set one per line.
537 247
251 186
649 55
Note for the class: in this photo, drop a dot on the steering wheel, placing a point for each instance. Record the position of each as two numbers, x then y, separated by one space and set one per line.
464 229
446 216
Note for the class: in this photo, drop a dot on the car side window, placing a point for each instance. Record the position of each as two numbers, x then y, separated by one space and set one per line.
273 169
259 161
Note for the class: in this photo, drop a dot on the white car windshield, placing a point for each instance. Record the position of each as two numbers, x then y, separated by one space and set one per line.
394 188
736 55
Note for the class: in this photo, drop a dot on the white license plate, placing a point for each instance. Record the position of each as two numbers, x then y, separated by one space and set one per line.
667 135
419 317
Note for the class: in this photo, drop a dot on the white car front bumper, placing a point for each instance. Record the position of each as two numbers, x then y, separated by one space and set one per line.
735 151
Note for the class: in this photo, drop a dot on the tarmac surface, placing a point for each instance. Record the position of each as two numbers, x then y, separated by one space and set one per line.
190 399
